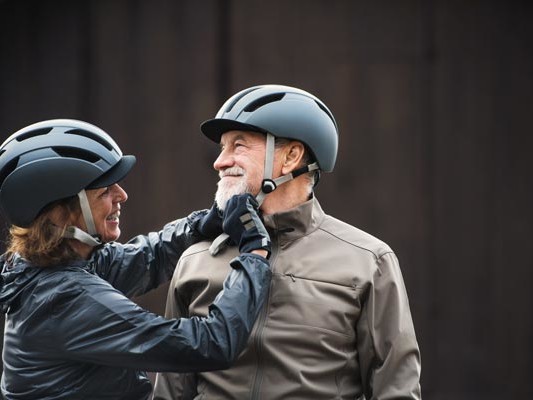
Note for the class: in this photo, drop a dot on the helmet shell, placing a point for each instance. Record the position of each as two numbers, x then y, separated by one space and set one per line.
52 160
283 111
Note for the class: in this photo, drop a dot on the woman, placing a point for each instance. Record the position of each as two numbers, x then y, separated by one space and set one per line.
71 332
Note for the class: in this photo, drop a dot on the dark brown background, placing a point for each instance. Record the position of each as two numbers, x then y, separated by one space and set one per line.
434 100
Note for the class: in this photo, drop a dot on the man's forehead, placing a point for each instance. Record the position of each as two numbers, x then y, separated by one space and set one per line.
231 136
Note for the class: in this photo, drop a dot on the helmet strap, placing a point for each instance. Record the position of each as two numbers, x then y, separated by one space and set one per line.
269 185
73 232
90 237
86 211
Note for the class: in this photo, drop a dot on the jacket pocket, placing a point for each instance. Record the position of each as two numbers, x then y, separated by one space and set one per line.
316 304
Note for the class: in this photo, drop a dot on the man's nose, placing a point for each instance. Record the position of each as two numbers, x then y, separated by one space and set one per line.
224 160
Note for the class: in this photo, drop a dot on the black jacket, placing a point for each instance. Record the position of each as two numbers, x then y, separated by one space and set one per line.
72 333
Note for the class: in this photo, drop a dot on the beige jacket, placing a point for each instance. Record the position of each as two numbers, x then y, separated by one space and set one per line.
336 325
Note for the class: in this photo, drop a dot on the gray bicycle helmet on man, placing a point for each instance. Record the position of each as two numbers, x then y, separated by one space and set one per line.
280 112
56 159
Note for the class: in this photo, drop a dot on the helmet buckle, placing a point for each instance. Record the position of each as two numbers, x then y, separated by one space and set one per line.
268 186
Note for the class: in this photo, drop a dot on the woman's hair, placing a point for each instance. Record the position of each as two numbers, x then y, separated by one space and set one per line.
42 243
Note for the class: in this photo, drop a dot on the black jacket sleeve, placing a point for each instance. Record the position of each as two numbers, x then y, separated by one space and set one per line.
94 323
146 261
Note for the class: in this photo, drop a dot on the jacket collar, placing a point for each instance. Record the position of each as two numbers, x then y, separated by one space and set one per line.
295 223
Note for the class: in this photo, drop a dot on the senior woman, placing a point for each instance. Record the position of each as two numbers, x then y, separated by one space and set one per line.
71 332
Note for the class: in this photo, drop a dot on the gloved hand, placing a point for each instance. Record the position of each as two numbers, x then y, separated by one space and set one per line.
208 225
244 226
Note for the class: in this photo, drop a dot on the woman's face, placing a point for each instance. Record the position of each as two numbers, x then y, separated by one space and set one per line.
105 206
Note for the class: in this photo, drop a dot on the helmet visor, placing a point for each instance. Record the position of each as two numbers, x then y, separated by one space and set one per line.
115 174
214 128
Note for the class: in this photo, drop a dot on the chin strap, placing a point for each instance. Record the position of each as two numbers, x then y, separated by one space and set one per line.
274 183
73 232
267 186
86 211
219 243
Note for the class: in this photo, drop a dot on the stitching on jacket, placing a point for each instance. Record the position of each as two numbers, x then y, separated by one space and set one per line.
376 256
193 253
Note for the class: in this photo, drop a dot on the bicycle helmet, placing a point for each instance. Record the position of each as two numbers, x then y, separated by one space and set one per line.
282 112
56 159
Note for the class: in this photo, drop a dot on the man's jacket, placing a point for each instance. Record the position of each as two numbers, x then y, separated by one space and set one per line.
71 332
336 324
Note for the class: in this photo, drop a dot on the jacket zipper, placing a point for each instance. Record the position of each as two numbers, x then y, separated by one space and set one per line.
258 379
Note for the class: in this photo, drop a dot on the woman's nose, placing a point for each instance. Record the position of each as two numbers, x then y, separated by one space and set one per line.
120 194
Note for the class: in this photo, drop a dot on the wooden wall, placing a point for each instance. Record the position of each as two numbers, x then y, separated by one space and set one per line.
434 100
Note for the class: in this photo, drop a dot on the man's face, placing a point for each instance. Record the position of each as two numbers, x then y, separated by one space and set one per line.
240 165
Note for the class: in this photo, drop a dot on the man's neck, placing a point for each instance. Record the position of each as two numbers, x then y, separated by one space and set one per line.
286 196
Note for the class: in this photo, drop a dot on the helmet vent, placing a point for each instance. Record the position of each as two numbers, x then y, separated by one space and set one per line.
92 136
8 168
30 134
326 111
254 105
243 93
80 154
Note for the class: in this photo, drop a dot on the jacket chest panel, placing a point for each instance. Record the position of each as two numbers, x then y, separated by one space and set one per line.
299 301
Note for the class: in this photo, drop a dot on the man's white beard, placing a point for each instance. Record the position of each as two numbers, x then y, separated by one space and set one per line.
232 186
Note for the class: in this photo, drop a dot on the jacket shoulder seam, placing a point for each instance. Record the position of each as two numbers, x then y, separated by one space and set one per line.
376 256
189 253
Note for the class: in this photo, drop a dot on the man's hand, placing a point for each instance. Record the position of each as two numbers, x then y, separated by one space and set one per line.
244 226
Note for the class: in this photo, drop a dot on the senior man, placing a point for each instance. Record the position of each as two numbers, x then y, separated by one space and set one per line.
337 322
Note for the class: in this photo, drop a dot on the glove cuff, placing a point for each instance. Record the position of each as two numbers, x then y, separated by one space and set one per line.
259 244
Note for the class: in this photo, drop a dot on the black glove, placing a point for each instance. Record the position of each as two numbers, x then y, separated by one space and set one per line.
244 226
208 224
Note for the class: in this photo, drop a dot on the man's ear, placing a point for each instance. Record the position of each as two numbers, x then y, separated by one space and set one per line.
292 157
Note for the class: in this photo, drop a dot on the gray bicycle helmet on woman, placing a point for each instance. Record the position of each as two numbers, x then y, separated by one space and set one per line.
53 160
283 112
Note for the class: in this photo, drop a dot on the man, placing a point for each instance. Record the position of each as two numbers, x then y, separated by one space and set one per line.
337 322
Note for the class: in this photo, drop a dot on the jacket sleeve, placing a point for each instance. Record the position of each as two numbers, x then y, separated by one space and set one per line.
146 261
387 346
99 325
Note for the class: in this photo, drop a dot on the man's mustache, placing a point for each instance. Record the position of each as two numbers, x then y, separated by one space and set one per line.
233 171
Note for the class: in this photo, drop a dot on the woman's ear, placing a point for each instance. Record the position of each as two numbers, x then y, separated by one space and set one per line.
293 155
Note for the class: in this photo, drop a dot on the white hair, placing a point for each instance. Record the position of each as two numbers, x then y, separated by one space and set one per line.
226 190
